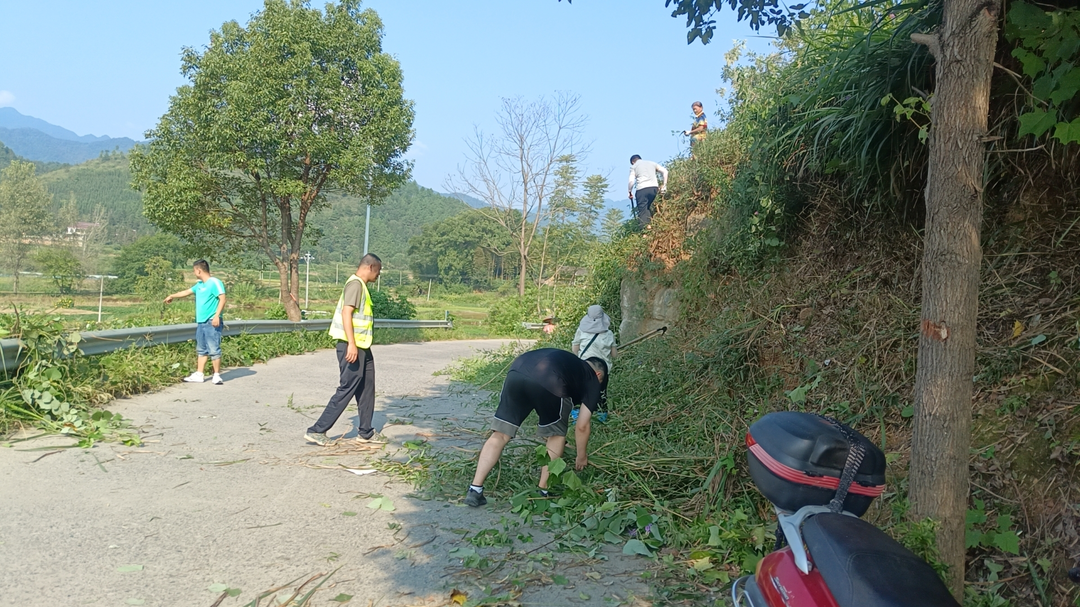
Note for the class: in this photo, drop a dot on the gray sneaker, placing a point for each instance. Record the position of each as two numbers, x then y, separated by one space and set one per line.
374 439
319 438
475 499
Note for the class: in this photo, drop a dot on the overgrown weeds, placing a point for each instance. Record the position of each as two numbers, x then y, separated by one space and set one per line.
799 224
659 483
59 390
829 327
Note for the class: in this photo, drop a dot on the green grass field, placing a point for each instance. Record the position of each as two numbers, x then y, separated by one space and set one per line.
251 296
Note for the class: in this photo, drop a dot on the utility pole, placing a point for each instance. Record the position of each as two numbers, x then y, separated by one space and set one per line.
429 290
101 292
367 228
307 274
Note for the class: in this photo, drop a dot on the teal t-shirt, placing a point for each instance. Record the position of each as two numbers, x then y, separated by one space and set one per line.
206 298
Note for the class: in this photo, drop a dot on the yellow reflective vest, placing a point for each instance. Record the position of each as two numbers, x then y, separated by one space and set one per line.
363 321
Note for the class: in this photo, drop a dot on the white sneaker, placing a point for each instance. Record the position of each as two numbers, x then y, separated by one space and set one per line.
195 378
217 381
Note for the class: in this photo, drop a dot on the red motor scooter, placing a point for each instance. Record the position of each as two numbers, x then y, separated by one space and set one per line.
821 476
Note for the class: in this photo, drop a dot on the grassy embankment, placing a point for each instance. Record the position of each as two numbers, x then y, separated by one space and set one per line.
825 323
794 238
826 329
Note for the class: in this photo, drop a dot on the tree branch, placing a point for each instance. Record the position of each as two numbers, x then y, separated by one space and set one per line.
930 41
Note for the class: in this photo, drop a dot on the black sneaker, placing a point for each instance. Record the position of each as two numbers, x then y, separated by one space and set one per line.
475 499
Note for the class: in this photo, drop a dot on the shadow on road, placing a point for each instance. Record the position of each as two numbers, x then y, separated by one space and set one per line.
225 495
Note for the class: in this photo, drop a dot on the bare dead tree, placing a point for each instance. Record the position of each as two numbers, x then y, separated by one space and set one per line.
514 170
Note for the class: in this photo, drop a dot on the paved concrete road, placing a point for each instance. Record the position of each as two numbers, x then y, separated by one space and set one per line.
224 490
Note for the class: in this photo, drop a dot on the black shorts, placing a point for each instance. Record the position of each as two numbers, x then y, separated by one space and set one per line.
520 397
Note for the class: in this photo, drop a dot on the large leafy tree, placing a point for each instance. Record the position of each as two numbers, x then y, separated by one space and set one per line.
573 210
297 103
24 215
130 264
62 266
469 248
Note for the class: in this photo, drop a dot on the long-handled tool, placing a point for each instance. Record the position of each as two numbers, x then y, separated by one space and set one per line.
642 338
602 415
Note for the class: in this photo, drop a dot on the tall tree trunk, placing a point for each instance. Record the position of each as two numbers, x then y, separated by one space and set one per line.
523 247
294 283
285 294
963 48
543 258
15 275
521 273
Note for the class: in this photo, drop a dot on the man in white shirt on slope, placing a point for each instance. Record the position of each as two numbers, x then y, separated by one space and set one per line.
643 178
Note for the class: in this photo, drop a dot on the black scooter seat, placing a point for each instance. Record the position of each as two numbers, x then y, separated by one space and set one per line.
863 567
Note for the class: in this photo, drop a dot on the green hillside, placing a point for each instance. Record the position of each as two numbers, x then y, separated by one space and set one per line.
104 181
393 223
7 156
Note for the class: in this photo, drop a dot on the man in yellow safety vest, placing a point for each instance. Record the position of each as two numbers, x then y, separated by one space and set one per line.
352 325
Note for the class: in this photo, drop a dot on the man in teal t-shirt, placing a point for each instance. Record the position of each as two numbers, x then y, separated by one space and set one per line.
209 302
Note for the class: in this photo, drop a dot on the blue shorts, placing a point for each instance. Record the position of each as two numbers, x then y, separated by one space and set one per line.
208 339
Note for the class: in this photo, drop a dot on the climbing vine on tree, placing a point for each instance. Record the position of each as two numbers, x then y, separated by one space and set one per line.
1047 47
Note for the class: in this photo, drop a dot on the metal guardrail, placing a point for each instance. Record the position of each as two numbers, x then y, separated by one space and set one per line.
93 343
393 323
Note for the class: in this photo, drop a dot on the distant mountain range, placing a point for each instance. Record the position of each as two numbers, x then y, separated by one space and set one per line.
475 203
36 139
622 206
7 157
105 182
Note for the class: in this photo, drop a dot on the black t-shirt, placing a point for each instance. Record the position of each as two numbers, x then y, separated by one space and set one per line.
562 373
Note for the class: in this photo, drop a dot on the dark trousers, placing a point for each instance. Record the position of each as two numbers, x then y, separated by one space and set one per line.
357 381
643 206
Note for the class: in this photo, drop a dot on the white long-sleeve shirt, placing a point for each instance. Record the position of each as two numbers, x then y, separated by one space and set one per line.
601 347
643 175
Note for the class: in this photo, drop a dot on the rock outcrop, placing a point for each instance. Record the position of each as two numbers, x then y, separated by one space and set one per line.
646 305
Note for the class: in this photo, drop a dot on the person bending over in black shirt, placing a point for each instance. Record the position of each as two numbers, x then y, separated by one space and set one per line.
550 382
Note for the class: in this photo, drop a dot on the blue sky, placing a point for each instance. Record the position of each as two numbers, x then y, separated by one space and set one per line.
108 68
